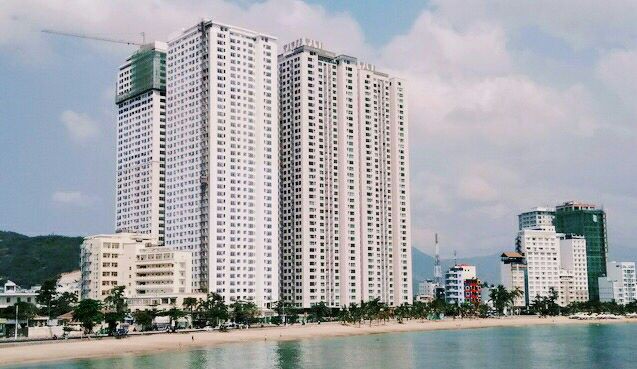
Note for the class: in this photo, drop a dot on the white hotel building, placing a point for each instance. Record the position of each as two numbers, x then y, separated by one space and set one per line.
141 102
573 267
135 262
552 261
222 159
345 223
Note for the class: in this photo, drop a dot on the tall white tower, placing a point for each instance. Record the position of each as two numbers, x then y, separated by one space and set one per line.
222 159
141 132
345 224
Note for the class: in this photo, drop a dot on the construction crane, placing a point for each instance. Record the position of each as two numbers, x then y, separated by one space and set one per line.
80 35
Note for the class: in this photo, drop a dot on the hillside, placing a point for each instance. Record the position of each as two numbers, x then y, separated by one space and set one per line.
30 260
423 266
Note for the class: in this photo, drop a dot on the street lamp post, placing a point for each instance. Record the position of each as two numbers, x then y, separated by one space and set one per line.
16 320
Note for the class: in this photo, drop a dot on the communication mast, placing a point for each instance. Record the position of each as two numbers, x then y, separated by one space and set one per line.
437 267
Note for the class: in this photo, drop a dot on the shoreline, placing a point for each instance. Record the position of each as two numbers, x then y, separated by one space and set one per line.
175 342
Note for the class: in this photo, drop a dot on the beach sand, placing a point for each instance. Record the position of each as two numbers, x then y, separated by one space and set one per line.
135 345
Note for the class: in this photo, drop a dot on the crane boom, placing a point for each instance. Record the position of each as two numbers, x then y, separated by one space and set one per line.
79 35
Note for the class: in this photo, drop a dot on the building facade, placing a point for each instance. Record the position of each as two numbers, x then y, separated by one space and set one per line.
12 294
460 281
573 267
541 250
135 262
222 159
141 152
589 221
620 285
344 194
513 275
536 217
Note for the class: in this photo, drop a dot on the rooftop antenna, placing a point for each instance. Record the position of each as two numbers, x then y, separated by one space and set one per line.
437 267
455 257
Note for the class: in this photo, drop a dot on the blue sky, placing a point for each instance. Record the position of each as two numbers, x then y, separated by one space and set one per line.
510 106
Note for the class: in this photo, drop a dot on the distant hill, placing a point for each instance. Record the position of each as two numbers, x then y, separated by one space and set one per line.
488 267
28 261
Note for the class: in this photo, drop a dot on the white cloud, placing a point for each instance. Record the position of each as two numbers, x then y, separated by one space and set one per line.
80 127
581 23
74 198
488 138
618 70
22 21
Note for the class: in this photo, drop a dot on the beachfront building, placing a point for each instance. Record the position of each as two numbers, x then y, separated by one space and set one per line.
345 224
222 159
428 288
513 275
541 250
620 285
135 262
589 221
536 217
462 284
12 294
141 152
573 269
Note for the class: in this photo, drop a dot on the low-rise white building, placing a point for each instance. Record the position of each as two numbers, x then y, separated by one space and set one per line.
428 288
12 294
151 274
513 275
455 279
620 284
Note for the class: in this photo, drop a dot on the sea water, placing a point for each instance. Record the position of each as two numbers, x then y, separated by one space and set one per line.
563 347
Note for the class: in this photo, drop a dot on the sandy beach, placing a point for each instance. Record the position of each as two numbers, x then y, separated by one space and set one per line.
135 345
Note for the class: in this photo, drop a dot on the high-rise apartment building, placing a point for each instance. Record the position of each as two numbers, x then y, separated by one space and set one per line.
141 101
536 217
541 249
344 194
589 221
573 267
620 285
222 159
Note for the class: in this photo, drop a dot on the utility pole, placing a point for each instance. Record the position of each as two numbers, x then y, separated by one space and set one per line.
17 307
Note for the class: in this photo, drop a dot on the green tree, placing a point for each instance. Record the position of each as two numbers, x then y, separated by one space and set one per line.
173 314
116 308
212 310
190 304
319 311
402 312
26 310
64 303
343 315
89 313
244 312
144 318
500 298
47 294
